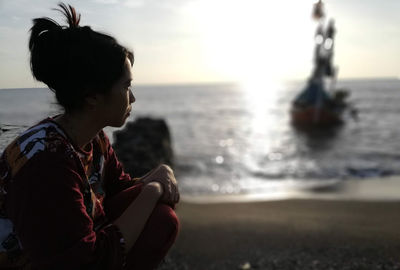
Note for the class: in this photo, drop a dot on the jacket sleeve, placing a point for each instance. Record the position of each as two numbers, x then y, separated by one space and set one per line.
115 179
46 205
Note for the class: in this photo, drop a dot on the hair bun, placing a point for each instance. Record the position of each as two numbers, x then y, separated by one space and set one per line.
40 26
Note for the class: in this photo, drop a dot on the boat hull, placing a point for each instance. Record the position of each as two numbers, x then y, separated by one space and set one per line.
313 116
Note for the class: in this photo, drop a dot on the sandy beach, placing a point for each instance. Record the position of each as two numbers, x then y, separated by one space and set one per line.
288 234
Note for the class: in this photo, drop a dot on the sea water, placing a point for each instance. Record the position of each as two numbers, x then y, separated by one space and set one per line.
238 139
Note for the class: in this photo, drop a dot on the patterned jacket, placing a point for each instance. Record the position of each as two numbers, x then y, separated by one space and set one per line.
52 197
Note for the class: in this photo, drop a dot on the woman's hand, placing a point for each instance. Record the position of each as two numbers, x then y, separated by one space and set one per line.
165 176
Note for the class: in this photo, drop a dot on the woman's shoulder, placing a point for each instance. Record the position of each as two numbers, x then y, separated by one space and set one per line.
44 139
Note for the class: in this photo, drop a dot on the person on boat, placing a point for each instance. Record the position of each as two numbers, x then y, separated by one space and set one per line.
323 55
65 201
314 93
329 47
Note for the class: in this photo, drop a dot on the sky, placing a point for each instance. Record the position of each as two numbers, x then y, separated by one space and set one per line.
206 41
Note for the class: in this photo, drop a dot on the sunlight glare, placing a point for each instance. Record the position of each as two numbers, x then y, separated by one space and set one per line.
254 39
261 98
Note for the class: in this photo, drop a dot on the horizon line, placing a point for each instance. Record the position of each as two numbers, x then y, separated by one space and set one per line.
231 82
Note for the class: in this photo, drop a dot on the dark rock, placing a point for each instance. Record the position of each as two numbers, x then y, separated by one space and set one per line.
143 145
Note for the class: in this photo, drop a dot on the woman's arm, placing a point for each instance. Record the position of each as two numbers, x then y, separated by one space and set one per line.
133 220
116 180
46 205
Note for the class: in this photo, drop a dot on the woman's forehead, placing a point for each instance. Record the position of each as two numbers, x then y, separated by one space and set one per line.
127 75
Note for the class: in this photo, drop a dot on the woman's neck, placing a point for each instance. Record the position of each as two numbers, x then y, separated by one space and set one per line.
81 128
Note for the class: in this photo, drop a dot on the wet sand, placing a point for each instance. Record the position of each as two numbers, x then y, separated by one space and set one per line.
288 234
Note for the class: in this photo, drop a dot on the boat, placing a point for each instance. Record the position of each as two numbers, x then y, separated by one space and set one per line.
313 116
316 106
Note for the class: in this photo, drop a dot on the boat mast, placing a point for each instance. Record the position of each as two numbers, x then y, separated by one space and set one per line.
324 44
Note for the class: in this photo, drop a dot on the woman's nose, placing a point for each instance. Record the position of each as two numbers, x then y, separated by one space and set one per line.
132 98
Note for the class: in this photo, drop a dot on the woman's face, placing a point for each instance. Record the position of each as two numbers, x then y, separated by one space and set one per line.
117 103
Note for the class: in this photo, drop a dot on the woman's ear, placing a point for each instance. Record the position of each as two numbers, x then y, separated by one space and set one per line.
93 100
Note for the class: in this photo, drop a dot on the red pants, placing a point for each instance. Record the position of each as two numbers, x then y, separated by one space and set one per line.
157 236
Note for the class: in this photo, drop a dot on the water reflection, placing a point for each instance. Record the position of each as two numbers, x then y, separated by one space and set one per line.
275 152
261 99
320 139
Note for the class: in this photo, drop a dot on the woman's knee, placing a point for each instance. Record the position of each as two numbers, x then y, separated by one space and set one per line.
166 217
155 240
166 221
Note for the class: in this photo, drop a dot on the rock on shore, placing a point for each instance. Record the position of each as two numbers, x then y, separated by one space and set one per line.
143 144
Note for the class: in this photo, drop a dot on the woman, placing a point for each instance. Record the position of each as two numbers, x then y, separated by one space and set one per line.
63 193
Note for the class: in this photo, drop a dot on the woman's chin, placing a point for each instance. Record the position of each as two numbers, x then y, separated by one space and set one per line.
117 124
120 122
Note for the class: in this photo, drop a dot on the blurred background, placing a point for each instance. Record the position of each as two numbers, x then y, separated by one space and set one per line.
223 74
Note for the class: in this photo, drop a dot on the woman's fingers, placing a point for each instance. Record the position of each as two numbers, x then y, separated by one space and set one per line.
171 194
168 193
177 196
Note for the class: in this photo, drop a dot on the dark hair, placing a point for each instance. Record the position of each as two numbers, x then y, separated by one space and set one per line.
74 61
